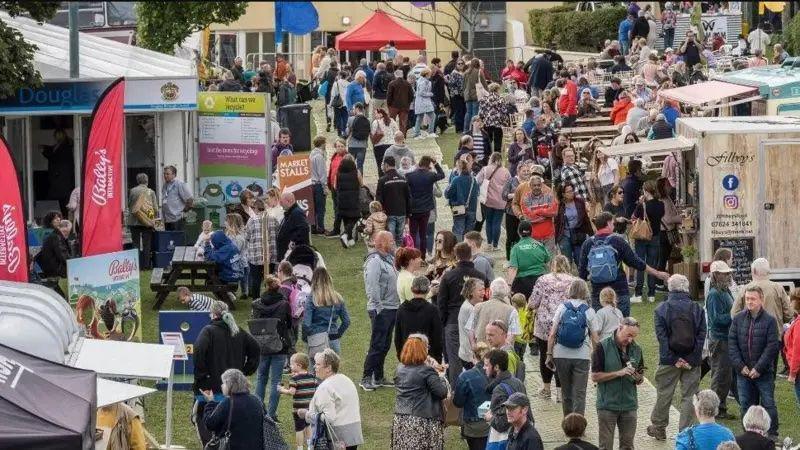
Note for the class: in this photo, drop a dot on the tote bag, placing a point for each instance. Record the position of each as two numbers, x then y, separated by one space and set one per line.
640 228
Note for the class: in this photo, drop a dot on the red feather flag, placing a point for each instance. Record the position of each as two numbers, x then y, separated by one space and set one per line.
13 234
101 191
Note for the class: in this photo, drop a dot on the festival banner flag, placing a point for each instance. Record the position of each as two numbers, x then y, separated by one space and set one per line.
101 191
13 234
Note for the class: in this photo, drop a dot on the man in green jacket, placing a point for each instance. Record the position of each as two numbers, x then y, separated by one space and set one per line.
618 368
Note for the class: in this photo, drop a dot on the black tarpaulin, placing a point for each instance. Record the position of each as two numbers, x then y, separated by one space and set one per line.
45 405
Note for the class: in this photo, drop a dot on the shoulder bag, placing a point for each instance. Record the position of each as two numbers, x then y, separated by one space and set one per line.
640 228
483 194
318 342
222 442
377 136
459 210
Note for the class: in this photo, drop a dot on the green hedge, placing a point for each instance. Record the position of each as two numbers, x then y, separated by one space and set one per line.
792 36
575 30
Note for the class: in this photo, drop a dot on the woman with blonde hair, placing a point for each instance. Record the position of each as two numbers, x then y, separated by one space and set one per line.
549 292
325 319
421 386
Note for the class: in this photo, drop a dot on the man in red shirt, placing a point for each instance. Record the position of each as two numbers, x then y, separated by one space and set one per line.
539 208
568 102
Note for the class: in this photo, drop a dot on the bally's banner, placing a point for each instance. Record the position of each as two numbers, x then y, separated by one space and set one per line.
13 234
294 175
232 148
101 192
105 292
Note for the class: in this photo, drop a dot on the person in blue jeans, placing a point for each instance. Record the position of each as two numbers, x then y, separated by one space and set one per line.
462 195
753 347
572 222
271 305
380 281
624 35
325 313
650 208
357 144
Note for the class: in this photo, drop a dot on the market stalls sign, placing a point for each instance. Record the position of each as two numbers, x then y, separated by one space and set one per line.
294 175
80 97
232 148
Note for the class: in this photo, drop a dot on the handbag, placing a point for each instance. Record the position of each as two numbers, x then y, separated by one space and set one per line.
273 439
673 236
324 436
640 228
318 342
483 194
459 210
376 136
222 442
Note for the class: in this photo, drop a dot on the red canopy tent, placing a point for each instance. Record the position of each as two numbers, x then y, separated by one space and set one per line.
377 31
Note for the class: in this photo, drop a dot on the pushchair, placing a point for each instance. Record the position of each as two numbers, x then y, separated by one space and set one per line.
304 259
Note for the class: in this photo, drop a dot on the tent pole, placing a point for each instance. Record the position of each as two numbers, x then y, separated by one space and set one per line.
168 439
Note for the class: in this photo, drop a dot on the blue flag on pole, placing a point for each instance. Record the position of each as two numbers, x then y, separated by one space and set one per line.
294 17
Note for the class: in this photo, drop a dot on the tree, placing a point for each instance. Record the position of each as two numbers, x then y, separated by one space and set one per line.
163 25
16 55
461 13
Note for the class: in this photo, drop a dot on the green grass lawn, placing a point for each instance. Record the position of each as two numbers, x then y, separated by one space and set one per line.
377 407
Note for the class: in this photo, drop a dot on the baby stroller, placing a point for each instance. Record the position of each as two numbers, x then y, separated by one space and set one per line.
304 259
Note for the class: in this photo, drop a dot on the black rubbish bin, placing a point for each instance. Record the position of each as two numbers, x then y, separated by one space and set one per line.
297 118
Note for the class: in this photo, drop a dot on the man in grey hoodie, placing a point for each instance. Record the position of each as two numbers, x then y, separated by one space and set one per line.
399 149
380 279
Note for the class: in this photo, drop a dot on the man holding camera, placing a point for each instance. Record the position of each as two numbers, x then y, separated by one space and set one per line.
690 49
617 368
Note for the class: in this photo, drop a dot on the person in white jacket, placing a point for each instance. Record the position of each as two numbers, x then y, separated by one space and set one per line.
384 127
335 401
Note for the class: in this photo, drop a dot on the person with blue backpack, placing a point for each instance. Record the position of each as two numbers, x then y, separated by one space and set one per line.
569 346
600 263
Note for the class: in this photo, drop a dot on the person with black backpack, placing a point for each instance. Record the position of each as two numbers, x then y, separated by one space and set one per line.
271 325
680 325
358 131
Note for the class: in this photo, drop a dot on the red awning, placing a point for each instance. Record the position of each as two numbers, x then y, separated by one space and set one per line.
377 31
706 92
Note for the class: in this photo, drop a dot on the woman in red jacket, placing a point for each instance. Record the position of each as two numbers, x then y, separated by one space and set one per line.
619 112
791 342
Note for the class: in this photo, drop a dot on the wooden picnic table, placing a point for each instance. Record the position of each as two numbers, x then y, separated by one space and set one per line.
593 121
202 276
599 131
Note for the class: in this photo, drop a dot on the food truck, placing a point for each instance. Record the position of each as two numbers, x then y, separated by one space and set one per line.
756 91
738 188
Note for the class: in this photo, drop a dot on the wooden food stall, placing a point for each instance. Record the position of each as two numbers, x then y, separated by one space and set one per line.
739 187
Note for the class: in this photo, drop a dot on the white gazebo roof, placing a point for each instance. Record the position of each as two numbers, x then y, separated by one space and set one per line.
99 57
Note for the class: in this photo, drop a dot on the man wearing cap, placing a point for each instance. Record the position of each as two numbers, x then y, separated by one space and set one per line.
618 368
393 193
719 302
522 435
529 260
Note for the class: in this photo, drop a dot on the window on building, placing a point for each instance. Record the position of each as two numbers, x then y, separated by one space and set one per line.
90 15
120 13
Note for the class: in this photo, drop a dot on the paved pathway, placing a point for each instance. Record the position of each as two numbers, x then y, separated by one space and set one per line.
548 414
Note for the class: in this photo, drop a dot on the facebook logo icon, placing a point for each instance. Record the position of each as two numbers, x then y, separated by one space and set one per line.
730 182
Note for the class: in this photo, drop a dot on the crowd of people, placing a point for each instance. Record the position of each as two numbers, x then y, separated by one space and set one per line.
581 230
